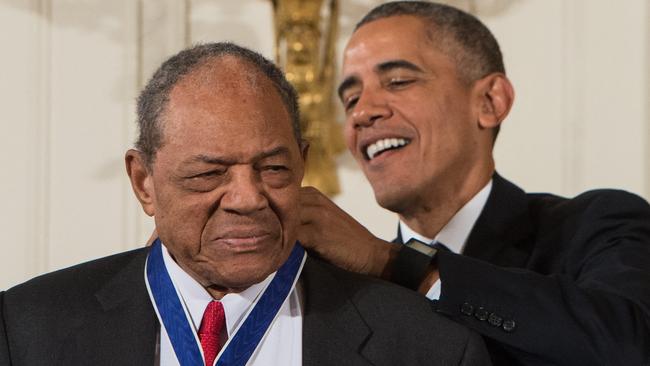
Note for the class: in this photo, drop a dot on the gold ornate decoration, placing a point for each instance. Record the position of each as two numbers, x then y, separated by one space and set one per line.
305 39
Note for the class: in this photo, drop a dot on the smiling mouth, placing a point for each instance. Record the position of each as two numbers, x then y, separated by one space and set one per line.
380 146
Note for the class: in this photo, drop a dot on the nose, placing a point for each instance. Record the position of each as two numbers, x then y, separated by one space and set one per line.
370 107
245 193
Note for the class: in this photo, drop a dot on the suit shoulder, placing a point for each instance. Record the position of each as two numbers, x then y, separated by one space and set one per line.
598 202
378 300
362 287
612 199
74 281
581 229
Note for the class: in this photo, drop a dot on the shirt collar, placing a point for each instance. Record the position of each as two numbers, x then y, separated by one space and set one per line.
196 298
455 233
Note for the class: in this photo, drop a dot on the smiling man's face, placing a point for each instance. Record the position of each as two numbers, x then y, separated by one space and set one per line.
226 179
410 123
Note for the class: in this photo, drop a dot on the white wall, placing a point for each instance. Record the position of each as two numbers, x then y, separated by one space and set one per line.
71 70
581 72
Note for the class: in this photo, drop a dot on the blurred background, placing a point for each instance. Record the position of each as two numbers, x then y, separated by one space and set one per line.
71 69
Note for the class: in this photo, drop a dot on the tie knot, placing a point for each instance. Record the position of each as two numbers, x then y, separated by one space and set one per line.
438 245
212 324
213 318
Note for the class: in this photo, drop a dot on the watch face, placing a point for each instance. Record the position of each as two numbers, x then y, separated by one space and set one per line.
421 247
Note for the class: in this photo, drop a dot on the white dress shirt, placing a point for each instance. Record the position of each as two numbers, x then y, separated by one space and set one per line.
282 344
455 233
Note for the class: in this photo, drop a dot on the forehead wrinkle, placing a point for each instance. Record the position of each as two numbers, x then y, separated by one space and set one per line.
202 158
228 161
392 57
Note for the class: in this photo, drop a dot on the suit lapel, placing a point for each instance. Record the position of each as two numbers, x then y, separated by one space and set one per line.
122 329
334 333
501 233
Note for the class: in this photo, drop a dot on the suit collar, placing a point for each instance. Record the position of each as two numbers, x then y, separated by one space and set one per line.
455 232
333 328
122 329
501 231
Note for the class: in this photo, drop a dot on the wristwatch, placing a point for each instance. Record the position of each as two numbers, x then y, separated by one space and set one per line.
412 263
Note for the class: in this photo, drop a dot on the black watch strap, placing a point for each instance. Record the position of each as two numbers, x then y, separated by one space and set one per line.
412 263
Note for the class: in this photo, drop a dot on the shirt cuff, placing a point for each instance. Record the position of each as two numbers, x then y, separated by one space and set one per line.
434 291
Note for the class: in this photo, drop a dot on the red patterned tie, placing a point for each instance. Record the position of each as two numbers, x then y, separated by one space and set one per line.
212 324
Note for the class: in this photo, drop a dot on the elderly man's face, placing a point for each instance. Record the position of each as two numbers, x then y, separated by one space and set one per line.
409 119
227 177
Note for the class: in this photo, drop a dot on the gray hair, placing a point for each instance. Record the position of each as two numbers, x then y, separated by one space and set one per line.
155 96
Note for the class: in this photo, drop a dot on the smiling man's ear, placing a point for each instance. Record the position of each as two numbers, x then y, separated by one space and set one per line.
141 180
494 95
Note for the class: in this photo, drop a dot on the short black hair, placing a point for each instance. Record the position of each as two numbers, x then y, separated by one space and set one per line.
463 37
155 96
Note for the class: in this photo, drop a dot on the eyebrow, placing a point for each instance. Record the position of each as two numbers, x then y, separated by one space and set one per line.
280 150
397 64
201 158
379 68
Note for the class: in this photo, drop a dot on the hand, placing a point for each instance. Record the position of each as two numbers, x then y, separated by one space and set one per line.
336 237
429 279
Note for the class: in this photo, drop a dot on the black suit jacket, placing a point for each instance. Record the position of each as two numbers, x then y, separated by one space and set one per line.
99 313
554 281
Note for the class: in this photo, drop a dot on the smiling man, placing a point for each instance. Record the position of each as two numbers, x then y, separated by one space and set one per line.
546 280
218 165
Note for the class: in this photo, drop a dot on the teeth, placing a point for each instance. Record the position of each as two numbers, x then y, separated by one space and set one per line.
384 144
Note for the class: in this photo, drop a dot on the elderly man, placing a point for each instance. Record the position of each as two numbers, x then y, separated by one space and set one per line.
219 165
546 280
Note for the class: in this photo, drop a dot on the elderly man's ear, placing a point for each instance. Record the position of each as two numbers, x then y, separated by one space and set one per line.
141 180
304 149
494 95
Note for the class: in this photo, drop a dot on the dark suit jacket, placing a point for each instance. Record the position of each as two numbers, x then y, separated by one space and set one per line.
554 281
99 313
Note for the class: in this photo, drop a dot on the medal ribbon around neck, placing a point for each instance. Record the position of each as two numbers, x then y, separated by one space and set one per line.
246 338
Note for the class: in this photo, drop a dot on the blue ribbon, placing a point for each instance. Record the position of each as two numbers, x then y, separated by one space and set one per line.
243 343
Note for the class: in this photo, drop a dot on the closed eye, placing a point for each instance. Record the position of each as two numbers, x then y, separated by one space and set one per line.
208 174
276 175
275 168
349 103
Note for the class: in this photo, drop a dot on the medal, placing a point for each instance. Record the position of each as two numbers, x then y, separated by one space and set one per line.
246 338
